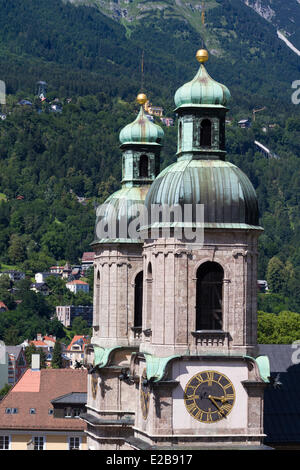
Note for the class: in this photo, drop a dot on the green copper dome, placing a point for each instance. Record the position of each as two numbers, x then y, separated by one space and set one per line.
227 194
141 131
202 90
117 212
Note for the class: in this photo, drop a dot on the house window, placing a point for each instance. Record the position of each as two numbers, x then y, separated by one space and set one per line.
76 412
138 299
68 412
4 442
144 172
8 411
32 411
209 295
74 443
38 443
50 411
205 133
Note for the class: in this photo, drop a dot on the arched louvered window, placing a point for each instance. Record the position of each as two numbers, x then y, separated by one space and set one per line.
180 134
209 297
96 313
144 171
138 300
205 133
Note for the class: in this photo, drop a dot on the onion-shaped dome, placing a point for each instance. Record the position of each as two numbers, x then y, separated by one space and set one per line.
202 90
227 194
141 131
115 214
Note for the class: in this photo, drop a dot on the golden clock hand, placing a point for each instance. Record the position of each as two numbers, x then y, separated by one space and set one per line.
222 399
212 399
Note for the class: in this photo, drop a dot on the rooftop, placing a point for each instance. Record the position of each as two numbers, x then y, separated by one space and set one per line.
281 401
77 282
37 389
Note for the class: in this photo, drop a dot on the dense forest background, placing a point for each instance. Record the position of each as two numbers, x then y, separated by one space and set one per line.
64 164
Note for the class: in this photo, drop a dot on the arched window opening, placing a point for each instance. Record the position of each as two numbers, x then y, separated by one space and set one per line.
205 133
180 133
138 300
96 314
209 297
144 172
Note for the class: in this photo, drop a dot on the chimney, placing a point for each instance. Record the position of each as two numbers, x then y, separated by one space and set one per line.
35 362
39 337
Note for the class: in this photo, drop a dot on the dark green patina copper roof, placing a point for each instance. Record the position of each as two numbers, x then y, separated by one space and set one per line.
202 90
121 205
227 194
141 131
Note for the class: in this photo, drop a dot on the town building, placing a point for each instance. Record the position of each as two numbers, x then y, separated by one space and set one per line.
46 343
3 307
13 275
56 269
244 123
66 271
40 288
40 278
153 110
167 121
66 313
41 412
175 317
87 260
17 363
75 350
77 285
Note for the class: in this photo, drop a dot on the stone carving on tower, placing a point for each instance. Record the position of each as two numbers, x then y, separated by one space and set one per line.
194 379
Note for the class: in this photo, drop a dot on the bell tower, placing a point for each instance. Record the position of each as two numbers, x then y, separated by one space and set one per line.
118 289
200 383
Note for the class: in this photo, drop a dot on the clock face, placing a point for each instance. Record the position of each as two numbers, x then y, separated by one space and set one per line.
144 396
209 396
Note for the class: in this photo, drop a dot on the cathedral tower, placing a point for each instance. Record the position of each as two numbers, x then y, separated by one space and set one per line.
118 287
199 381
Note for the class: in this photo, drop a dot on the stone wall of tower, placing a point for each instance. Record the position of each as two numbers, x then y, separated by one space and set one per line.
115 269
168 420
171 313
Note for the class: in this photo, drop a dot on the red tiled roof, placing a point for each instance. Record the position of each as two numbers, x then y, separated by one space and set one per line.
49 338
85 339
2 305
88 256
36 389
38 343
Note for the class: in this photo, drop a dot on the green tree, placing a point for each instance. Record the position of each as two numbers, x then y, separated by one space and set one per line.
283 328
17 249
57 356
11 336
276 275
80 327
4 390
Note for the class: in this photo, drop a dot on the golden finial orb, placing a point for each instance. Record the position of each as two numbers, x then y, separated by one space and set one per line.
142 98
202 55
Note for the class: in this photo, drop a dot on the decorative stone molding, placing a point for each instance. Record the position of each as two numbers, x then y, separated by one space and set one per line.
211 338
237 253
183 251
137 332
147 332
117 263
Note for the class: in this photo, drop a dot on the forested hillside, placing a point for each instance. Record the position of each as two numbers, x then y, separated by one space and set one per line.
92 66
